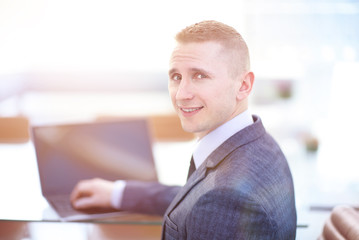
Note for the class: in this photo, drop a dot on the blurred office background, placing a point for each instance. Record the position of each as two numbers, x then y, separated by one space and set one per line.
75 60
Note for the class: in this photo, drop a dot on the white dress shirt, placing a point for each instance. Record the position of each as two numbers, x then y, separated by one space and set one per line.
214 139
204 147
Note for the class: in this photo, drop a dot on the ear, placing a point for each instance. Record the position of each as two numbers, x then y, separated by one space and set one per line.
247 80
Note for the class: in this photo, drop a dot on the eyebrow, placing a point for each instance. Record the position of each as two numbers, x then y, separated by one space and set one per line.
173 70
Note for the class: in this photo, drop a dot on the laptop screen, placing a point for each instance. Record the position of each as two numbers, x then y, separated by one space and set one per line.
114 150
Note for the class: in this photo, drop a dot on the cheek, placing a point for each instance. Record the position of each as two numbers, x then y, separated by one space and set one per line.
224 97
172 92
224 90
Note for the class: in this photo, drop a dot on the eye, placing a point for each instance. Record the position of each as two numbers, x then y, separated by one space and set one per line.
176 77
200 76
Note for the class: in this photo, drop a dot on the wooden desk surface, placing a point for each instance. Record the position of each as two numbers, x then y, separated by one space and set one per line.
19 230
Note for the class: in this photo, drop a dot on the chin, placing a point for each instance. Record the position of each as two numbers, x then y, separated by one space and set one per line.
188 128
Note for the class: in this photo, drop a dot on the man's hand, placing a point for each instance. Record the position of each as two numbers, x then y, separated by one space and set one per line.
93 193
342 224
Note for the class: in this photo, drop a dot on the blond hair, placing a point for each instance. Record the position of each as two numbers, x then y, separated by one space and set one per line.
219 32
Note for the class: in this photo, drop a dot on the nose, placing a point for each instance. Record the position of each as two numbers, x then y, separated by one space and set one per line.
185 90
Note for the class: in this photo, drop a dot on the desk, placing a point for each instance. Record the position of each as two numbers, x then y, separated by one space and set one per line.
137 227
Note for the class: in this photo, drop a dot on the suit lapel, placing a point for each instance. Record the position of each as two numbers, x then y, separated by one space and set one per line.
196 177
246 135
239 139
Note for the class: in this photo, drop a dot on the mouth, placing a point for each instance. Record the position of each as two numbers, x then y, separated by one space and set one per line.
190 110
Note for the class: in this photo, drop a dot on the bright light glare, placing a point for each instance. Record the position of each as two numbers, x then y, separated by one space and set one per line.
99 35
338 155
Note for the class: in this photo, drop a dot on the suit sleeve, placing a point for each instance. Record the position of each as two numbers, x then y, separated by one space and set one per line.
223 214
148 197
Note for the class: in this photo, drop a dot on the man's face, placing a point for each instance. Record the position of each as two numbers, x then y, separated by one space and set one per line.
202 90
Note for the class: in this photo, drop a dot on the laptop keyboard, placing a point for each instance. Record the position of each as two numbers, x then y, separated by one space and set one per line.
63 207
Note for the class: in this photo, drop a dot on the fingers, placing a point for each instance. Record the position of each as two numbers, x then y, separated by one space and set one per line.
82 189
330 232
92 193
343 224
85 203
346 220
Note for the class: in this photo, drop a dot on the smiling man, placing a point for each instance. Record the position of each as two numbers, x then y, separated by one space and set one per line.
204 90
239 184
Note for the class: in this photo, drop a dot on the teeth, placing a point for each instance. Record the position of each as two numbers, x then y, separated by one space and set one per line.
189 109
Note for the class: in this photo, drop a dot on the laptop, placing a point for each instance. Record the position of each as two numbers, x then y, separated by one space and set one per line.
111 150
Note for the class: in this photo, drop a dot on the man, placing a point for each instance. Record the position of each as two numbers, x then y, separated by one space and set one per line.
242 187
342 224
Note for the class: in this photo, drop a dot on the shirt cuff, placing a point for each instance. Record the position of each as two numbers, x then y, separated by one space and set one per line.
117 194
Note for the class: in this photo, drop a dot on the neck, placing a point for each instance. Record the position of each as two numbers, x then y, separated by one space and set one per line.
242 106
240 109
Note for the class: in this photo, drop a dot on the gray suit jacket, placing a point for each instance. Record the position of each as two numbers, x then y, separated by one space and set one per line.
243 190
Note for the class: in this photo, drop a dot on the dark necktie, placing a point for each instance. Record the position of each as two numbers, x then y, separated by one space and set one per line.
191 169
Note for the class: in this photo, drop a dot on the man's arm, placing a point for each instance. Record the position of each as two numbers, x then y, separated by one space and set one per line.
343 223
148 197
138 196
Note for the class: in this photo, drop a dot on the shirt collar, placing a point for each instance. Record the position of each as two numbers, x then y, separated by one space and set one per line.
214 139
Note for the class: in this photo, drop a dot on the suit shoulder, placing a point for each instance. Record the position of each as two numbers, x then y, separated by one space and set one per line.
236 214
